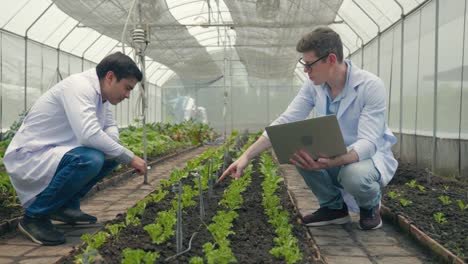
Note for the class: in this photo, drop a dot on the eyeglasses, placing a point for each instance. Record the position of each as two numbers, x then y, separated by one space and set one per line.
308 66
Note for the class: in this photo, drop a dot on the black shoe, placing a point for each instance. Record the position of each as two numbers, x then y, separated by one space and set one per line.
370 218
326 216
73 217
41 231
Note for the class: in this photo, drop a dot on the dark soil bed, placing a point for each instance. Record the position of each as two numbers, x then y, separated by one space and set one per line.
425 203
251 242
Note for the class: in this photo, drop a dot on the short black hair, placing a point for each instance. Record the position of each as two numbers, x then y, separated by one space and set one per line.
322 41
121 65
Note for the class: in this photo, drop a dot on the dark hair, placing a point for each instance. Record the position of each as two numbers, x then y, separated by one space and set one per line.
121 65
322 41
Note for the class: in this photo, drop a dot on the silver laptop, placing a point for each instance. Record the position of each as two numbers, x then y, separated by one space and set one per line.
320 137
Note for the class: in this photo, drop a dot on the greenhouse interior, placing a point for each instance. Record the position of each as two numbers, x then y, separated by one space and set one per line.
233 131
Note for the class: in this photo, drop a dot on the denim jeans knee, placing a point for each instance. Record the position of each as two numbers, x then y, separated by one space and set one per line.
90 160
361 180
76 171
324 185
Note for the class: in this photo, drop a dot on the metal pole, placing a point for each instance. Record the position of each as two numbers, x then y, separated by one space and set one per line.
461 95
224 84
163 110
140 51
126 23
1 87
378 53
402 39
156 103
230 86
436 69
402 66
391 78
417 93
86 50
378 33
179 218
15 14
26 54
268 100
71 30
355 32
143 105
202 203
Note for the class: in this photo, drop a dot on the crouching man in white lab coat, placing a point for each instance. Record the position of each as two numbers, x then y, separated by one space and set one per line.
67 143
357 97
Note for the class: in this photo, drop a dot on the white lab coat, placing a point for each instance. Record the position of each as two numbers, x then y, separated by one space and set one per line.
69 115
361 116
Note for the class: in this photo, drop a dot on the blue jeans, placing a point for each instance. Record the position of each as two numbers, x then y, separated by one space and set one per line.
78 171
360 179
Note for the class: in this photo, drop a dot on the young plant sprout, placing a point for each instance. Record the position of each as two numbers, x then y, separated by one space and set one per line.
461 205
393 195
445 199
405 202
440 218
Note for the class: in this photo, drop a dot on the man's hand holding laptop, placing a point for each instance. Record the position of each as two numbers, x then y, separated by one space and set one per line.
303 160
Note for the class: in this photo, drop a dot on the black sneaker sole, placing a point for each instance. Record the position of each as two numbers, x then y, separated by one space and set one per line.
373 228
74 222
337 221
71 221
37 241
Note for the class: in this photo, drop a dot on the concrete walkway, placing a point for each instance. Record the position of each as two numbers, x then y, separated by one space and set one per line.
105 204
342 244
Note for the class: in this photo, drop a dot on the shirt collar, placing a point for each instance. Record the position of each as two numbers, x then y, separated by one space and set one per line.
326 87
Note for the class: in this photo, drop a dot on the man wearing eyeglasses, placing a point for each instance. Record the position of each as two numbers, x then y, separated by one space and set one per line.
358 99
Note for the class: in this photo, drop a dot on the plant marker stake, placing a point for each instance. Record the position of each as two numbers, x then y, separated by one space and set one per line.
226 152
178 189
210 179
428 176
202 204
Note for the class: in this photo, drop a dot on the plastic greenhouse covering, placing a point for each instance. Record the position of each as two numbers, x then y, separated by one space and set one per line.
234 64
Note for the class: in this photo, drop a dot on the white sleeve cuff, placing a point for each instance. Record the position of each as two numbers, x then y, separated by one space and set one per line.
126 157
364 149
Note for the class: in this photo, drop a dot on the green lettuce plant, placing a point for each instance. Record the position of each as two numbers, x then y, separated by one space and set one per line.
196 260
440 218
115 228
286 245
405 202
461 205
411 184
444 199
138 256
393 195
